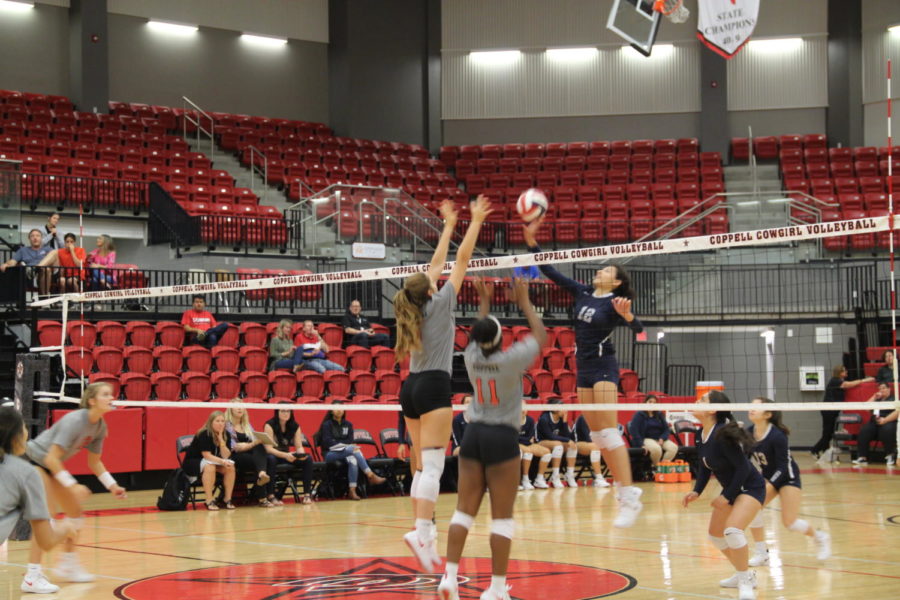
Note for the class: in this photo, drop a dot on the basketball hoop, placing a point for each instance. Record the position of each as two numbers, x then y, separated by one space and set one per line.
674 10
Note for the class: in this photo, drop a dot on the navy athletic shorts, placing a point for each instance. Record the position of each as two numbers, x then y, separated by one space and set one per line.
424 392
756 491
596 369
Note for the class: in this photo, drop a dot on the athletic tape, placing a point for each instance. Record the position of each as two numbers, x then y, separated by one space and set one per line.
617 251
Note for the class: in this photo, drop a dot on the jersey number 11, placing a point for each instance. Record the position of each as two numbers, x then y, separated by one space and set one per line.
492 384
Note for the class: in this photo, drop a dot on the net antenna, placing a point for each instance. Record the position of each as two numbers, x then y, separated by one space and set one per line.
674 10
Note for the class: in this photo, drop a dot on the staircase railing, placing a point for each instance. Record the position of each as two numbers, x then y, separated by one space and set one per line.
202 122
259 172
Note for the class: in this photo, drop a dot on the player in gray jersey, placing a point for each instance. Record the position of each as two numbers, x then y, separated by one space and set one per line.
489 454
425 329
22 494
84 428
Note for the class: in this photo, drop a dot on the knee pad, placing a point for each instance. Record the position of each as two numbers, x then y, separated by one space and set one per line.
462 519
557 452
735 538
546 458
503 527
571 453
757 520
800 526
595 456
609 439
414 486
527 456
432 467
718 542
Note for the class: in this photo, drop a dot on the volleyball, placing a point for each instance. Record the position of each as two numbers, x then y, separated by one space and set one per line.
532 203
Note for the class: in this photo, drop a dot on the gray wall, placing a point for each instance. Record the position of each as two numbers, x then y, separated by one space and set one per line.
738 358
571 129
219 71
34 50
777 122
377 56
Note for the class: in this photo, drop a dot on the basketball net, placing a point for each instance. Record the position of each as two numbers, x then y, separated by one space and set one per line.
674 10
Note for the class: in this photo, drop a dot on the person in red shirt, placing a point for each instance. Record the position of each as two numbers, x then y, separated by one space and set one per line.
70 259
311 351
201 326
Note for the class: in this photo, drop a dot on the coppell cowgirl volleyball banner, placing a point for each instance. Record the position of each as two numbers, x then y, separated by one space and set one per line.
726 25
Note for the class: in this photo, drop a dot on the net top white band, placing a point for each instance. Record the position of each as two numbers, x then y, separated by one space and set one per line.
595 253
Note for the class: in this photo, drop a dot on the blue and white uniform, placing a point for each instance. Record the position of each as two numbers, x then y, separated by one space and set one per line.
549 429
595 319
731 467
772 457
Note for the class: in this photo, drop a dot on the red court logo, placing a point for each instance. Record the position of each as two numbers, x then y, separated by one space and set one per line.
374 579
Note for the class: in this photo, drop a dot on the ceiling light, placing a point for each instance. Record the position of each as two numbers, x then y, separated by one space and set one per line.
894 29
13 6
263 40
776 45
572 54
656 52
176 28
495 57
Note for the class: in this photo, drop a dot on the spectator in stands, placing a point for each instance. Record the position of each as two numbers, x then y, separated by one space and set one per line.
200 325
358 330
31 256
553 433
459 427
649 430
102 262
281 347
582 436
530 448
834 392
336 435
208 454
312 349
50 236
249 454
886 373
70 259
283 428
882 426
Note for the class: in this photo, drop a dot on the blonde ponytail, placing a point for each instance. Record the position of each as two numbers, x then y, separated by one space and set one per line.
408 303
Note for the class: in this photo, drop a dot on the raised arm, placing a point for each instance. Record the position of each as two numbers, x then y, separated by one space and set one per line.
448 212
574 287
485 291
480 209
520 293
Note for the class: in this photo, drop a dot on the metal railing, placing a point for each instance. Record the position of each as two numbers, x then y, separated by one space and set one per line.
197 120
258 171
92 194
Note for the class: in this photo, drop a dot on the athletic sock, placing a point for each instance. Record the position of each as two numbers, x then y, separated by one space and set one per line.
555 472
761 547
498 584
423 529
451 569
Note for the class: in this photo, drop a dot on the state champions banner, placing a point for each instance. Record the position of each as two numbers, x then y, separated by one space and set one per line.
724 26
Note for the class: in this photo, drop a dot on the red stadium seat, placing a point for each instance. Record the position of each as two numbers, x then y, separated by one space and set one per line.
50 333
81 333
166 386
79 361
360 358
254 334
197 358
168 359
383 358
311 384
108 359
254 384
363 382
283 383
388 382
253 358
170 334
196 385
226 385
225 359
542 379
135 387
338 383
565 381
112 333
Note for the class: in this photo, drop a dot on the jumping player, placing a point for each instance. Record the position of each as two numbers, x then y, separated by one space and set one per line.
599 308
425 331
723 450
772 456
84 428
489 456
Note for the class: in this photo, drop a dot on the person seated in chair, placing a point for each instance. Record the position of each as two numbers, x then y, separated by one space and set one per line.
71 260
882 425
553 433
249 454
529 448
313 349
885 373
459 427
336 435
208 454
649 430
31 256
285 431
581 433
200 325
358 331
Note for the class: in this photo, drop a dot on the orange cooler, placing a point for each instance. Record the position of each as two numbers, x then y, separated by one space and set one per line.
705 386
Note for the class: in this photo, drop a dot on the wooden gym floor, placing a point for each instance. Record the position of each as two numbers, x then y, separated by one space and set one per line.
343 549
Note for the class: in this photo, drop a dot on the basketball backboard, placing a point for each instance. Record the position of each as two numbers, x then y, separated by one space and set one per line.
636 22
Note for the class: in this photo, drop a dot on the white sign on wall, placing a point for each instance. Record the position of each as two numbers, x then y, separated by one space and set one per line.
369 251
812 379
724 26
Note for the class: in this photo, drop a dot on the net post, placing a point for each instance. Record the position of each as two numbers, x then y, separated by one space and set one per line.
890 177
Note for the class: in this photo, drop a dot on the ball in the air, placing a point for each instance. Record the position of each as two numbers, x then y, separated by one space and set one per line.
532 203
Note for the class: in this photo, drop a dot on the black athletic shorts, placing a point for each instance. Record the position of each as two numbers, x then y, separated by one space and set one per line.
489 444
794 482
596 369
424 392
756 491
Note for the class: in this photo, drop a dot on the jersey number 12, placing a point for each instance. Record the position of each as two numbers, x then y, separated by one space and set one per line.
492 384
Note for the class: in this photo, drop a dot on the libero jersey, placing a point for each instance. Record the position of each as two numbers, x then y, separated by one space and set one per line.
497 381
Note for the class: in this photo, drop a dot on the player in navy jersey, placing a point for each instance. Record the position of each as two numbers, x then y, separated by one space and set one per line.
459 428
722 450
581 433
489 455
530 448
425 326
599 308
554 434
772 456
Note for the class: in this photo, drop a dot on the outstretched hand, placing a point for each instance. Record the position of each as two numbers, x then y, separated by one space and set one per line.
519 291
688 498
531 230
484 288
622 306
449 212
481 208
